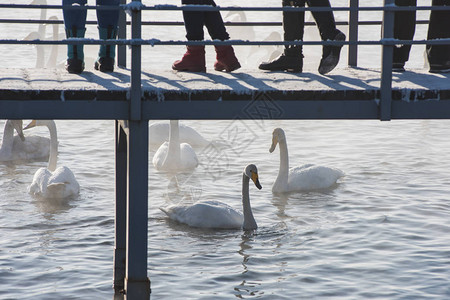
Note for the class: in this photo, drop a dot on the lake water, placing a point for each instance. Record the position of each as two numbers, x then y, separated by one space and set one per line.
381 232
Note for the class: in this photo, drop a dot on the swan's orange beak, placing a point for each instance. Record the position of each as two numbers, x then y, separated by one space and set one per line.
31 125
256 180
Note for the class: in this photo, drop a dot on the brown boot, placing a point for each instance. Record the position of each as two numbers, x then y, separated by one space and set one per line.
226 59
193 60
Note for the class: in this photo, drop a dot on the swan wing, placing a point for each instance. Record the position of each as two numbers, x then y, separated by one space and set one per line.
312 177
188 157
38 186
62 184
160 155
33 148
159 133
206 214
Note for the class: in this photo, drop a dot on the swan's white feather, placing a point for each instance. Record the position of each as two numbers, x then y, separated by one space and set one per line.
206 214
312 177
33 148
188 158
159 133
58 184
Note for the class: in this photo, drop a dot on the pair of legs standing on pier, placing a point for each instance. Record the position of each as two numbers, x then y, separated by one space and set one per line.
194 58
293 25
439 27
75 26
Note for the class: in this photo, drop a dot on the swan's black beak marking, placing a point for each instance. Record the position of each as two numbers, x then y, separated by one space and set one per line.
256 180
31 125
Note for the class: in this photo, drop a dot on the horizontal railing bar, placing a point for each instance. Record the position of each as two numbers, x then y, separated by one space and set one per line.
177 23
156 42
226 8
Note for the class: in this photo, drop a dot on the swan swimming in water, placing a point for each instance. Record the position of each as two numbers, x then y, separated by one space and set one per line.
53 182
304 178
173 156
216 214
159 133
7 149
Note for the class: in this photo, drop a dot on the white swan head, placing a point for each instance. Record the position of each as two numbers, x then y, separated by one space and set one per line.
277 137
18 126
252 172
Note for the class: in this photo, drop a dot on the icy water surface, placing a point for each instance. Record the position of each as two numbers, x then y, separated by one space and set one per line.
381 232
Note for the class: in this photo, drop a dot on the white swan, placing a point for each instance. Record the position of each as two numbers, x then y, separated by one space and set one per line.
7 152
216 214
173 156
159 133
304 178
53 182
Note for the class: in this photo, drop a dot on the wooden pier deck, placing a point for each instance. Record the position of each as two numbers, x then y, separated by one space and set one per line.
351 93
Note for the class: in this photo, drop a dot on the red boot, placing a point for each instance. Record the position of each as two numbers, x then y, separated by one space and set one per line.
226 60
193 60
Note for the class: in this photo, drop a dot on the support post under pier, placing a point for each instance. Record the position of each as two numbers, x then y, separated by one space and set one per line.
137 284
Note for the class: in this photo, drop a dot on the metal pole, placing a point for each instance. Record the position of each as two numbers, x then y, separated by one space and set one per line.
135 93
122 34
121 208
386 66
137 284
353 33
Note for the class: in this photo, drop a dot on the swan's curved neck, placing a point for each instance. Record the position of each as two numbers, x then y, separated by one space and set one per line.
8 138
53 158
282 178
249 220
173 151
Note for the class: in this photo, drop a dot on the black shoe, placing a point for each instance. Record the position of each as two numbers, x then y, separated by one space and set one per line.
440 68
74 65
284 63
330 55
104 64
398 67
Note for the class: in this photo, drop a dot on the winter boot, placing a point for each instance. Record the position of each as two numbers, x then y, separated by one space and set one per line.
291 60
330 55
193 60
107 53
226 59
75 54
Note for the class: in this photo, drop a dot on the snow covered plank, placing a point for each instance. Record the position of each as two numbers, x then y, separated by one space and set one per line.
166 85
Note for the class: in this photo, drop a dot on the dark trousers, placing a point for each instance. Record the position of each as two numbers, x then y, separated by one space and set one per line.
195 20
439 27
77 18
294 22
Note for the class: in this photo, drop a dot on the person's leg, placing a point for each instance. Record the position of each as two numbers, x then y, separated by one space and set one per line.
75 26
439 27
226 58
107 29
404 28
328 31
194 58
293 25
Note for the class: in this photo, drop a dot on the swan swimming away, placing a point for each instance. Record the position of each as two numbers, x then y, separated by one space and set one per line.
304 178
216 214
173 156
159 133
53 182
7 149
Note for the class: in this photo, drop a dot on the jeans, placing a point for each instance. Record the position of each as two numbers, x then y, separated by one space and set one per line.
77 18
294 22
195 20
439 27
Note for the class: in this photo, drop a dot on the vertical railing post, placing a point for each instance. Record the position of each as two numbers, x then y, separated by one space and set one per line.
137 284
120 224
353 28
386 61
122 34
